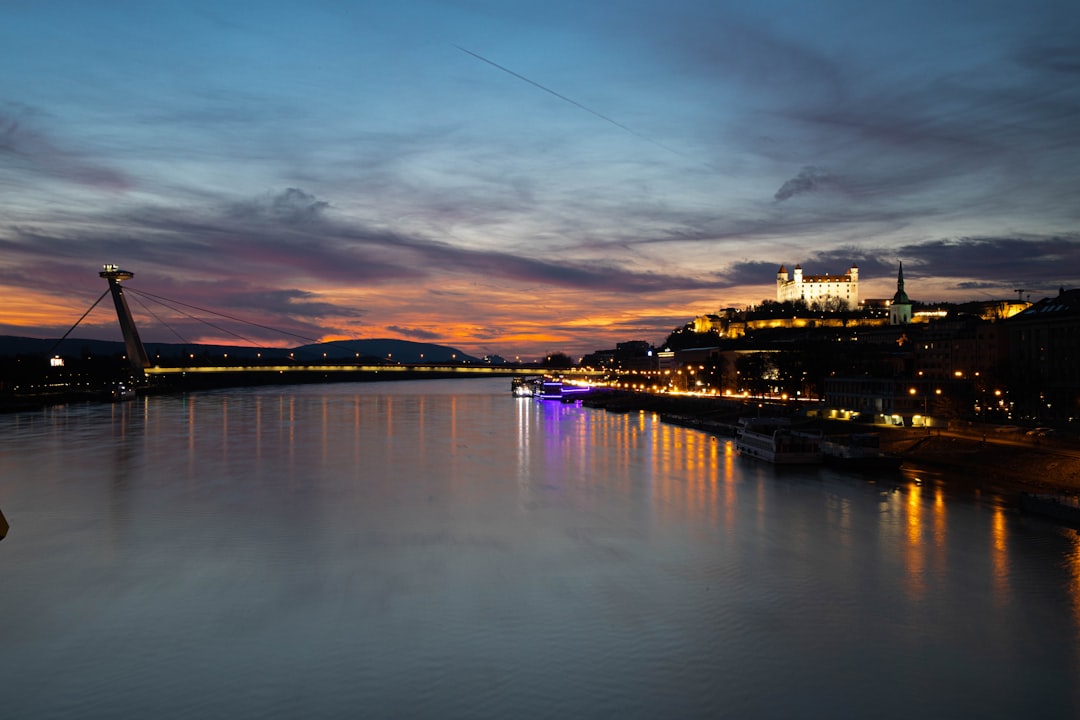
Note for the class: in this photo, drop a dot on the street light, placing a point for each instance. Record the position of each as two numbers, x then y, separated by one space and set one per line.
913 392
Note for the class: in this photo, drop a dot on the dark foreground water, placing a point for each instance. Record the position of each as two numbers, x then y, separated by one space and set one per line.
442 550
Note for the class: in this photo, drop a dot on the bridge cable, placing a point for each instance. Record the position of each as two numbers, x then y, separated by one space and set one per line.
165 301
224 315
78 321
169 327
199 319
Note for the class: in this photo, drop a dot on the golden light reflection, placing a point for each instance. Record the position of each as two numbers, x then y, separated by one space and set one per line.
1073 565
684 465
939 517
914 550
999 556
940 525
730 496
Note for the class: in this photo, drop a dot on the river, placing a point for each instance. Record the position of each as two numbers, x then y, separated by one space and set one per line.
439 549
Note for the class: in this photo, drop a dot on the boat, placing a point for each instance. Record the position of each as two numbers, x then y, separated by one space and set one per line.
775 441
524 386
548 389
858 451
122 392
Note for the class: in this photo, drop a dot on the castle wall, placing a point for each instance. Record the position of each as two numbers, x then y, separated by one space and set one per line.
819 288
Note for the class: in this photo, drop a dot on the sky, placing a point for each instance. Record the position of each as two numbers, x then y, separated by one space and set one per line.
520 178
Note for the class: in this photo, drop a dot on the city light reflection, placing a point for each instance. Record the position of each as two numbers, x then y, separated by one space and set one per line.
999 555
1073 565
915 551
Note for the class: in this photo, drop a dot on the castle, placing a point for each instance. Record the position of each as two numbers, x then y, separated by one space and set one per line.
830 292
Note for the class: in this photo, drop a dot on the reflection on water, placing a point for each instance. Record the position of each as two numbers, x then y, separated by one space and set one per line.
440 549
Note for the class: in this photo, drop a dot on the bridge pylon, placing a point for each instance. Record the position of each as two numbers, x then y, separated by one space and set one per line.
136 353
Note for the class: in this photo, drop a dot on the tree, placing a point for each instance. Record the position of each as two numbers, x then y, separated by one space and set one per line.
558 360
685 337
756 372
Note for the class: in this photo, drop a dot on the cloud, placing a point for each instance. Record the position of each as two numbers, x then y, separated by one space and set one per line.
1063 59
291 206
28 149
1039 262
809 179
413 332
288 302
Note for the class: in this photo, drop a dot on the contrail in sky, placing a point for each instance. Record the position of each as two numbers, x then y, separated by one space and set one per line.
575 103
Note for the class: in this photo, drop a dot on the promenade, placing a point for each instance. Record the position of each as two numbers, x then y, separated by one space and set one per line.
969 457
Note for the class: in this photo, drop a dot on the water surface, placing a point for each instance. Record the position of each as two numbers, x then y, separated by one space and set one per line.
440 549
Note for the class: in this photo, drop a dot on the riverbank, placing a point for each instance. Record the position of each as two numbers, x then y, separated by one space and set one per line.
1007 466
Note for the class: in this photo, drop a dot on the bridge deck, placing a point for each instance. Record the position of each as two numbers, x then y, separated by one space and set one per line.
497 370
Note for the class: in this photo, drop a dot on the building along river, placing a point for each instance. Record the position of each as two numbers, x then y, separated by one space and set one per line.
439 549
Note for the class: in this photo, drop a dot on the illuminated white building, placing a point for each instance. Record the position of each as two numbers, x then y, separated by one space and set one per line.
824 290
900 309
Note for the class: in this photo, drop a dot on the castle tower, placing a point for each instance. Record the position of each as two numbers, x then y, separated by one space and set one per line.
781 282
136 353
900 308
853 287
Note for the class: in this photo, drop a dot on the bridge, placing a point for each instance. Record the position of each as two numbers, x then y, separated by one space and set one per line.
242 374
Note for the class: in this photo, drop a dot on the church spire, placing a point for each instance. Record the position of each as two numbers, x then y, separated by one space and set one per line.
900 297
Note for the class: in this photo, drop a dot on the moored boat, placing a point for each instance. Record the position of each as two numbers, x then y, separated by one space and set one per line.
774 440
122 392
858 451
546 388
524 386
551 389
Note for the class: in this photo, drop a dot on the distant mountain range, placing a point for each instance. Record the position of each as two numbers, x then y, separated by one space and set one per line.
383 349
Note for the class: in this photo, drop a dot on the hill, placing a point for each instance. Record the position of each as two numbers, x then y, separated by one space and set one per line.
404 351
383 349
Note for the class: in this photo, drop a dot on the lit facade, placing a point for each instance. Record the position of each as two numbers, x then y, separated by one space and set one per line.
1044 344
900 308
826 291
